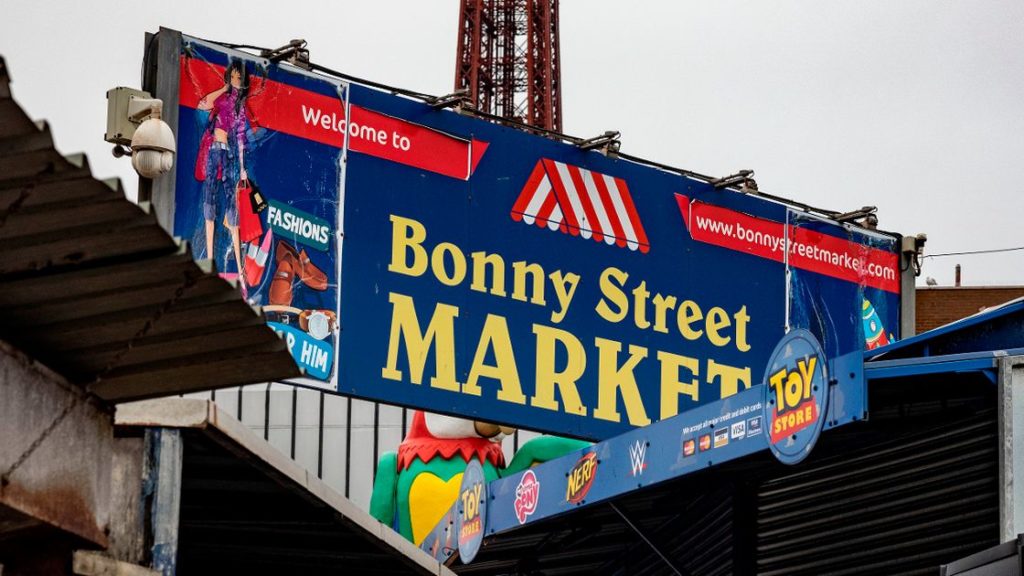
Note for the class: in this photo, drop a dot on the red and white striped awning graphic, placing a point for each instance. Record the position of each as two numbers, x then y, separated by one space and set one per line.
580 202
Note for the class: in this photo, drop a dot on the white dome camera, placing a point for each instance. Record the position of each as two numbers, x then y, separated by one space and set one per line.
133 118
153 148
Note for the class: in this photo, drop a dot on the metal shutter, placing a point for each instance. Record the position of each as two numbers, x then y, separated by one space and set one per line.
899 506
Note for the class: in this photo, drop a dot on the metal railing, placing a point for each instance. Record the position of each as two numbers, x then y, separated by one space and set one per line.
338 438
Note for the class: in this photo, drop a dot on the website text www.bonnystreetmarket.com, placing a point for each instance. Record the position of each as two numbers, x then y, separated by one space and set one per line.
774 241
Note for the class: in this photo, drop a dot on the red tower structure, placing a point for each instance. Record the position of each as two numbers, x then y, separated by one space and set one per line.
508 59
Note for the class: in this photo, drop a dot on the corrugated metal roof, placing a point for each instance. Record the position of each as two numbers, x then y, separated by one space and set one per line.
248 509
997 328
92 286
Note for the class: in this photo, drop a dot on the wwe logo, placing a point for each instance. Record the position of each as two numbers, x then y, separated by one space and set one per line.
637 452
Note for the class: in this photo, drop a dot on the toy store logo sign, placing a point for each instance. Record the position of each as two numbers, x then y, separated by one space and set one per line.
472 517
795 396
289 222
527 496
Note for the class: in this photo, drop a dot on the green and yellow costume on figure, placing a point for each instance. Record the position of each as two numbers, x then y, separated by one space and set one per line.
415 487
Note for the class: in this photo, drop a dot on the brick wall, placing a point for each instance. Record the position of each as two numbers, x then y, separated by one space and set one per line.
941 305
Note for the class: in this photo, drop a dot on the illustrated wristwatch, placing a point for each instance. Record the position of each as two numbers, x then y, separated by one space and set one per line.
318 323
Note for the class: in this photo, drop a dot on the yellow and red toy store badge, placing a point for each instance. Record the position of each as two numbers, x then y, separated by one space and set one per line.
796 396
471 518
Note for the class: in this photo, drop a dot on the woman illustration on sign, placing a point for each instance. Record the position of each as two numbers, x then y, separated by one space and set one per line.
225 160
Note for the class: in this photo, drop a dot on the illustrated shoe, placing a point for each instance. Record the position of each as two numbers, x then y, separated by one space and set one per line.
281 284
286 251
256 260
310 275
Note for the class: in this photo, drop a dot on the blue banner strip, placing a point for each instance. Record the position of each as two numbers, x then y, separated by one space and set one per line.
695 440
638 458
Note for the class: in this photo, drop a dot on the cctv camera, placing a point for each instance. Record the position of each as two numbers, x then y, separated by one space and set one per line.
153 148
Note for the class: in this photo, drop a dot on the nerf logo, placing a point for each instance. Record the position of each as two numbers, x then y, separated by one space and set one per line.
581 478
580 202
527 495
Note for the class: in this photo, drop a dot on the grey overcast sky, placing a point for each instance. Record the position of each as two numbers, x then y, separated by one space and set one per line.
916 107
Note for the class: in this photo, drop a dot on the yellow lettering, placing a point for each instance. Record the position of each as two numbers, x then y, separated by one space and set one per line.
495 336
480 261
806 368
612 377
440 335
407 236
742 319
687 314
794 388
777 380
640 295
672 387
565 288
466 500
519 271
611 282
717 319
729 378
549 378
662 304
458 264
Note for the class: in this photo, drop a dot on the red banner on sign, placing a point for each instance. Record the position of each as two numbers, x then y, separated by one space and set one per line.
808 249
285 108
783 426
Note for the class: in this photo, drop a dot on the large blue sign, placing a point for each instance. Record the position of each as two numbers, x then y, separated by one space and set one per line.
563 290
484 271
